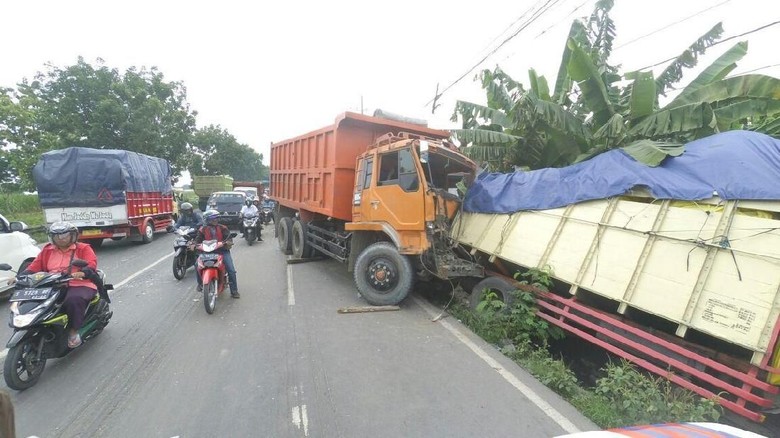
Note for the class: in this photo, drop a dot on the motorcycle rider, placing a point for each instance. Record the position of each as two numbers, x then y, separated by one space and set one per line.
213 230
250 209
57 256
189 217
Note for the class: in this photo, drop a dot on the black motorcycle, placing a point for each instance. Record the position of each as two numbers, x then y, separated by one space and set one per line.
183 257
40 324
252 228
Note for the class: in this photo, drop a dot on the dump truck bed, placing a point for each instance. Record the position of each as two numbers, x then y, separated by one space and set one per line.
711 267
316 171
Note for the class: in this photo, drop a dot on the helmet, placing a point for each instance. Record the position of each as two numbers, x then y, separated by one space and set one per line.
59 228
186 207
210 215
256 201
248 202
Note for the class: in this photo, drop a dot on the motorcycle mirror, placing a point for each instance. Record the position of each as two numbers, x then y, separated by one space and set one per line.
80 263
5 267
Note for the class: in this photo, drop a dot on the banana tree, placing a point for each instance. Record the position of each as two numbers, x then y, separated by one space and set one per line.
592 109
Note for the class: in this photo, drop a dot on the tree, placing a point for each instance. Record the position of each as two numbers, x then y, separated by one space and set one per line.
590 111
94 106
217 152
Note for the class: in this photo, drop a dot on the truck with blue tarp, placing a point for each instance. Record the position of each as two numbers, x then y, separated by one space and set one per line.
106 193
675 268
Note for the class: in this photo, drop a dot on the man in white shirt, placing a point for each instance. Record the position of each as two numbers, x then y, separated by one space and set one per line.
249 209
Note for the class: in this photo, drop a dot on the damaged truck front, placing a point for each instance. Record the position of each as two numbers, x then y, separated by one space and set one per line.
376 194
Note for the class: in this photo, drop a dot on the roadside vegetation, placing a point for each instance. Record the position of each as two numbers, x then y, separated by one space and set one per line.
621 396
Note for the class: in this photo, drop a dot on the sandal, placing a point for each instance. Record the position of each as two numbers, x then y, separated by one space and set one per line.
74 341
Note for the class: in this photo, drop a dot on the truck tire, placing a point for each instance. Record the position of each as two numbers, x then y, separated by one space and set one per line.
300 249
95 243
283 235
383 275
501 287
148 234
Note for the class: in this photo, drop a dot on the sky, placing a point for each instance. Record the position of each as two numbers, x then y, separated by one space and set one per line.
268 71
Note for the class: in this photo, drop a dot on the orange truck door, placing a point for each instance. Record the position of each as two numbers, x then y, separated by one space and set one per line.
395 195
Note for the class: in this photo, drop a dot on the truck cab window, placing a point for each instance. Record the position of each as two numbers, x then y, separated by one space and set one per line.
407 174
388 169
369 166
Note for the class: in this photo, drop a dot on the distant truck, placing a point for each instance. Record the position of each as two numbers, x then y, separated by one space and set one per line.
205 185
106 193
689 291
252 189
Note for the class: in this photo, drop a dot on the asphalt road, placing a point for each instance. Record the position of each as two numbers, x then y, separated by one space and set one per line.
279 362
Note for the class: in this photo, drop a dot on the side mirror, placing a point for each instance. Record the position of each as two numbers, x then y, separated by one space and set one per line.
80 263
18 226
5 267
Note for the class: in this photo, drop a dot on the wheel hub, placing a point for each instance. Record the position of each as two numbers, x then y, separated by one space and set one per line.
382 275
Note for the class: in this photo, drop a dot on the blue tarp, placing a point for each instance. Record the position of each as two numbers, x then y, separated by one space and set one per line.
85 177
732 164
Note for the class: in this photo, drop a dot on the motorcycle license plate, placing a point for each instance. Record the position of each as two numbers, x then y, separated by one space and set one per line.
209 257
30 294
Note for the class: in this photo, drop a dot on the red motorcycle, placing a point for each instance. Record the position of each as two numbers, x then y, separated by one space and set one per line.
212 271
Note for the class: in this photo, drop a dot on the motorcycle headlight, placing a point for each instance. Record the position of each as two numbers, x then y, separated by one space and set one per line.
23 320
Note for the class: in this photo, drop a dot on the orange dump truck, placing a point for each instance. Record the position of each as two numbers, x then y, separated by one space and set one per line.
375 193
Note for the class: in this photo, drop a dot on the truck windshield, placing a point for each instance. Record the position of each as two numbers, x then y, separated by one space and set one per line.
443 172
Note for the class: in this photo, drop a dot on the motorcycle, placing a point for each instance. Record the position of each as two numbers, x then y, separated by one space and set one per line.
267 211
183 257
212 270
39 323
252 228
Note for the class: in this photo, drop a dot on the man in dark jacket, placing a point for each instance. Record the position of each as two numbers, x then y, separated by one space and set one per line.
213 230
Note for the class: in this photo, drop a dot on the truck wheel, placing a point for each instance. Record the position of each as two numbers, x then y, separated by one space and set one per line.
283 235
383 275
148 232
499 286
95 243
300 249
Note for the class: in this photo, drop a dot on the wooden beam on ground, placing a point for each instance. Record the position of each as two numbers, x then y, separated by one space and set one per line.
365 309
293 261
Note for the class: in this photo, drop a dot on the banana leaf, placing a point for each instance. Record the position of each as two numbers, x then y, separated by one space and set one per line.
717 70
751 108
673 72
539 85
472 111
653 153
672 122
643 94
594 92
751 86
484 137
563 82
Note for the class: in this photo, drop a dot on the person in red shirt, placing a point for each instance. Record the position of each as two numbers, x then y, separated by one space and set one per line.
58 256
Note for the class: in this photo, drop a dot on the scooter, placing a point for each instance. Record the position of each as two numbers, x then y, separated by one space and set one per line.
39 323
183 257
252 228
212 270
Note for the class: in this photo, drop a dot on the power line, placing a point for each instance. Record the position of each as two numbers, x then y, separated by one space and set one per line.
760 68
567 17
530 21
672 24
714 44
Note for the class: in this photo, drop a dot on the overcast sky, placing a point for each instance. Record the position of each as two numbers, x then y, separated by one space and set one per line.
267 71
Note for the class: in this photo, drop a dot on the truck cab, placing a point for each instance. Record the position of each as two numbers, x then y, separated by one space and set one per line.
407 184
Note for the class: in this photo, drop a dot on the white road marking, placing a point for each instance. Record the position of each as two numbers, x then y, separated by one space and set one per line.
116 286
300 419
290 290
545 407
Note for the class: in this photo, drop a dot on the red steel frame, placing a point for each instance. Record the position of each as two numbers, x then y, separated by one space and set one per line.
575 317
